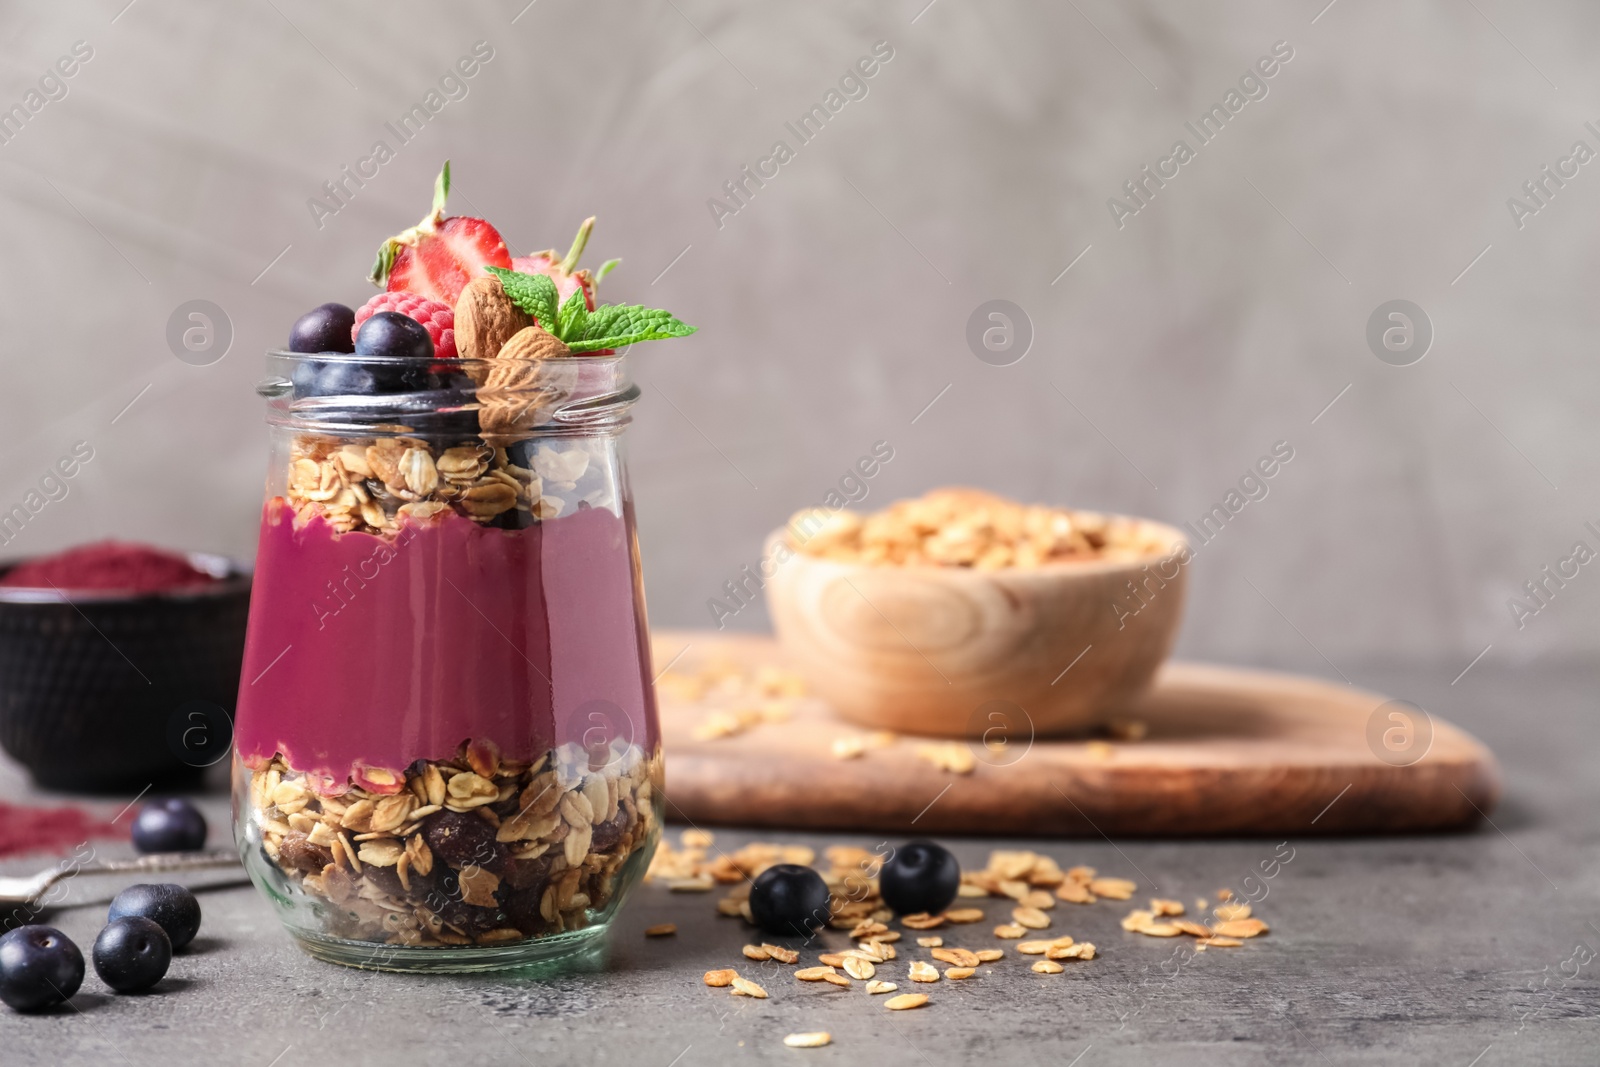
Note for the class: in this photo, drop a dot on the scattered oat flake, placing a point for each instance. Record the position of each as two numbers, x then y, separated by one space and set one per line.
813 974
755 952
748 988
1032 918
858 968
1159 906
1010 931
952 756
1220 942
1099 750
1200 904
923 972
1192 928
922 921
989 955
959 957
875 987
1224 893
696 838
1048 967
836 979
661 930
964 915
1230 912
779 953
930 942
698 884
1113 888
1240 928
1033 948
1074 893
831 959
969 890
906 1001
718 979
812 1040
955 974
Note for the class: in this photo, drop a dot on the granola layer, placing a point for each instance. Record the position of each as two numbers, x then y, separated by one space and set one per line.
472 850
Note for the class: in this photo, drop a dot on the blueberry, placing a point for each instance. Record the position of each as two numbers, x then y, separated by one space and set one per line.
132 954
920 876
323 329
789 900
170 825
389 333
39 968
171 907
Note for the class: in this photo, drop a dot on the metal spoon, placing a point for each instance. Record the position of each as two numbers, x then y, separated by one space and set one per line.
30 889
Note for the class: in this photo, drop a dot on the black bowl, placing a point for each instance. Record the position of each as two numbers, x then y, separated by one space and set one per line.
116 692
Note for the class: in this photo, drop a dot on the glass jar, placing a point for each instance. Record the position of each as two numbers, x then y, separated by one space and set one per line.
447 756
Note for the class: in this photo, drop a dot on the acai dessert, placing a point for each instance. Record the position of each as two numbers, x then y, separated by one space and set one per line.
447 749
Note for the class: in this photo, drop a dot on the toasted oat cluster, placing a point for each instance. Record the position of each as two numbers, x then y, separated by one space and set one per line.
969 528
474 850
372 485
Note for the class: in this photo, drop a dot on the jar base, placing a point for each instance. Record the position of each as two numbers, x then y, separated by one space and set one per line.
576 950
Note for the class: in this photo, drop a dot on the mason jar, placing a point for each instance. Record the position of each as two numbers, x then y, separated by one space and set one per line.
447 756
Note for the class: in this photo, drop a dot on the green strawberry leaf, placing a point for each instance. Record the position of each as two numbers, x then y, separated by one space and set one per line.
534 293
572 316
619 325
605 268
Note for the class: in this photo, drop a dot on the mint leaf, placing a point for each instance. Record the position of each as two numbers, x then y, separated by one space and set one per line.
534 293
617 325
571 318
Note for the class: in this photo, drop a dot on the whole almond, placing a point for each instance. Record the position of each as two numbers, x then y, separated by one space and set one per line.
532 342
486 318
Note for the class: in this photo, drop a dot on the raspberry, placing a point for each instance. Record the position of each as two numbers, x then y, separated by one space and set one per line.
438 319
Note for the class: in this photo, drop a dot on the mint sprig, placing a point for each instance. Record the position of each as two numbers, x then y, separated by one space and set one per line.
619 325
582 330
534 293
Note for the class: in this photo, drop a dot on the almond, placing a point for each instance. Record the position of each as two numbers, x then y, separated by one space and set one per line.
532 342
486 319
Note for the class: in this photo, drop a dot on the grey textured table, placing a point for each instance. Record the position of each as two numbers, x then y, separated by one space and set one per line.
1445 950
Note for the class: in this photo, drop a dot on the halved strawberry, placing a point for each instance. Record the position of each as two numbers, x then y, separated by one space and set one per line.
562 272
438 256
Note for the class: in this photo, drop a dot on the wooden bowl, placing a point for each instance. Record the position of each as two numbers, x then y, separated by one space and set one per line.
953 652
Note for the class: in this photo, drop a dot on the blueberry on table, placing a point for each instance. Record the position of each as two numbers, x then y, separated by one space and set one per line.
132 954
389 333
920 877
40 967
171 907
169 825
323 329
787 899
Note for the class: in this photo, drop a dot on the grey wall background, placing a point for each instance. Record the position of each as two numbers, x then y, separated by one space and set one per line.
1223 317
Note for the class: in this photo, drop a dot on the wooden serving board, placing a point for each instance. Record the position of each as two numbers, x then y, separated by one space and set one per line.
1227 752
